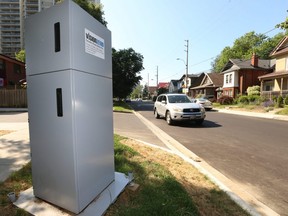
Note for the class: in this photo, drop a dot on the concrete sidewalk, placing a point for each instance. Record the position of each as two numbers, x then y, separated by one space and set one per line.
14 148
267 115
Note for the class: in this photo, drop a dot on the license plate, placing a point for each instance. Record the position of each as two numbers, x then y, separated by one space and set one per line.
195 117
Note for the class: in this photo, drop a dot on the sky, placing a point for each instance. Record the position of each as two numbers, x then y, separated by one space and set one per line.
158 30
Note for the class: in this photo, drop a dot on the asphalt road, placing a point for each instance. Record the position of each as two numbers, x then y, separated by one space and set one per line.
250 151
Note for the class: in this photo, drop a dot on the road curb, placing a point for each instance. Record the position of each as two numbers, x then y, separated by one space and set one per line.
246 200
253 114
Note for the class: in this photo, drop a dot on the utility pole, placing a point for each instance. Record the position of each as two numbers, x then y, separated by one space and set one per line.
186 78
148 83
157 77
186 64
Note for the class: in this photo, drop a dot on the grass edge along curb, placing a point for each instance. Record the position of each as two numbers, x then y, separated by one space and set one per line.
160 192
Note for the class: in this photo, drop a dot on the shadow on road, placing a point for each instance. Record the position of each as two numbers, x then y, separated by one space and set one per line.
206 124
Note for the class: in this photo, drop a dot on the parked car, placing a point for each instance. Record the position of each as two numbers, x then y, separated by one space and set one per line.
210 98
204 102
178 107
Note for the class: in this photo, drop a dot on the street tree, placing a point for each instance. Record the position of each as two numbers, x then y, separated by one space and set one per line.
145 93
126 64
162 90
283 25
94 9
20 56
244 47
137 91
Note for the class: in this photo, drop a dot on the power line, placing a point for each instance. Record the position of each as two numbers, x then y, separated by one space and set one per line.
265 33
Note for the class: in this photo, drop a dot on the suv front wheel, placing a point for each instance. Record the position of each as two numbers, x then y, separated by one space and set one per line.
168 118
156 114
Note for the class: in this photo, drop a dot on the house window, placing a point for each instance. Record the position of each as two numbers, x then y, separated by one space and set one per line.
228 78
2 64
267 88
17 68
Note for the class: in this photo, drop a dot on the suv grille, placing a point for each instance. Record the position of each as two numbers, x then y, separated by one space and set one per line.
191 110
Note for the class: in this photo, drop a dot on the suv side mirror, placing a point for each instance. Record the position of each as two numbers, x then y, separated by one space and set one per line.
163 102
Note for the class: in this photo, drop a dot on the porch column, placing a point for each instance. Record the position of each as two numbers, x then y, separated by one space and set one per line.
281 86
261 87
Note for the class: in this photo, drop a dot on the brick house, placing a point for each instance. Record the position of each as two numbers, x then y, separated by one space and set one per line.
12 72
240 74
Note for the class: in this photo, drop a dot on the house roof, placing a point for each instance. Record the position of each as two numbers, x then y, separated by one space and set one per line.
281 48
163 84
152 89
273 75
7 58
214 80
196 81
190 76
174 82
237 64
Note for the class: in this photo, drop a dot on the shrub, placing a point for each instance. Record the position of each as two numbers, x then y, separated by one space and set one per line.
253 90
268 103
274 98
279 101
243 99
286 100
225 100
255 99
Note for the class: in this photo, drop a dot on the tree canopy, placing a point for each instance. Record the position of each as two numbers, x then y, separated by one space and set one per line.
137 91
283 25
245 46
20 56
126 65
94 9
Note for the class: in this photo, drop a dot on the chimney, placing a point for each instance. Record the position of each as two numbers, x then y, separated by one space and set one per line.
254 60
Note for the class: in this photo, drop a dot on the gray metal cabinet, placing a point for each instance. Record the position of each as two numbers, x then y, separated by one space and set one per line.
69 105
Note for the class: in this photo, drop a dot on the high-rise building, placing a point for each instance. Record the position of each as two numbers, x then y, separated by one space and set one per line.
12 15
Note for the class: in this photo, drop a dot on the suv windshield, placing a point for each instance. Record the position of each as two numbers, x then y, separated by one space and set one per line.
178 99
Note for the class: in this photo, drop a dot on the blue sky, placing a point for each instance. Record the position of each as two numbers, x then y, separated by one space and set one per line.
157 29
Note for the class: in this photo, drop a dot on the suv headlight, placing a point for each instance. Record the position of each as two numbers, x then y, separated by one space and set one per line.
175 109
202 109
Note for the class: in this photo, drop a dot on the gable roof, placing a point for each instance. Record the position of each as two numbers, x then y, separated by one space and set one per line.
281 48
214 79
210 80
237 64
174 82
195 79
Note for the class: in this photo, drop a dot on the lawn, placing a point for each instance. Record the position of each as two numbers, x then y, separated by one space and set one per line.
121 106
167 185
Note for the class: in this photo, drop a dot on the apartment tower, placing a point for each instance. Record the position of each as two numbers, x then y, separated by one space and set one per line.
12 15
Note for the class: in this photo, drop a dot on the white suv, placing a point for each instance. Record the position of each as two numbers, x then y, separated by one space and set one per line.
178 107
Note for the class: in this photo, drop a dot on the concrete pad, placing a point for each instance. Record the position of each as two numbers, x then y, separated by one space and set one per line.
98 206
